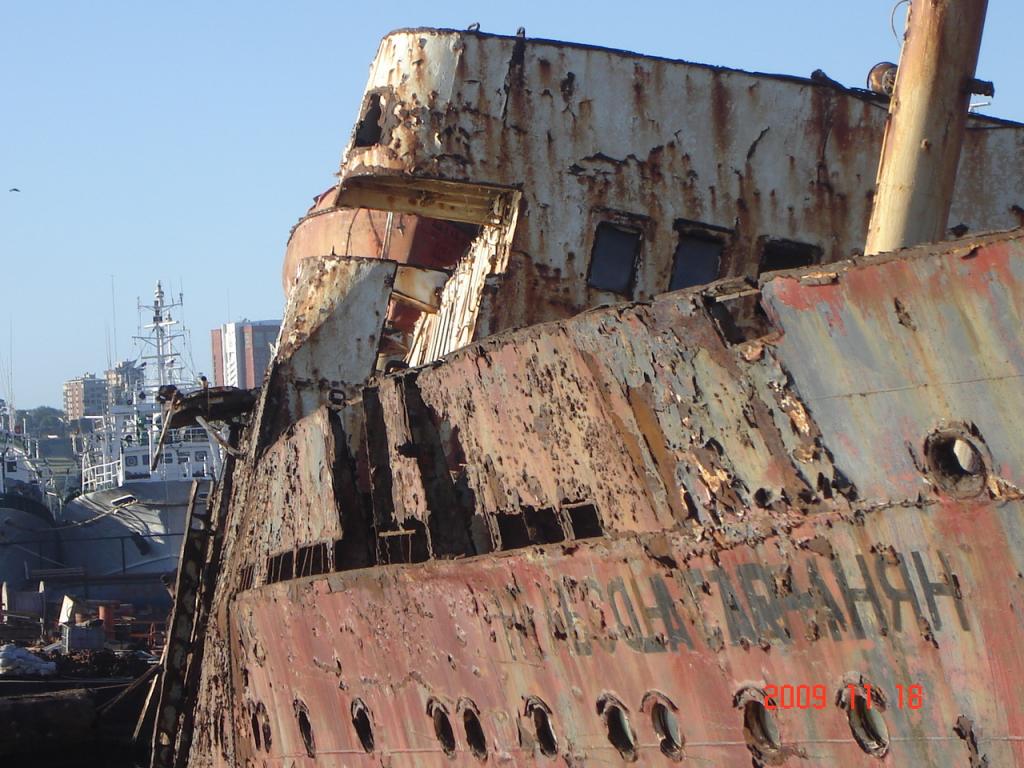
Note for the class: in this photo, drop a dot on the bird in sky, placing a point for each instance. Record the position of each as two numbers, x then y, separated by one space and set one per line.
14 189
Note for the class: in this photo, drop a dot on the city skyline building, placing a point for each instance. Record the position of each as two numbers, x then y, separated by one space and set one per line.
84 396
124 380
242 351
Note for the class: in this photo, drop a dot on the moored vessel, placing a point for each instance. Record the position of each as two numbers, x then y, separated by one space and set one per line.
762 508
28 541
121 538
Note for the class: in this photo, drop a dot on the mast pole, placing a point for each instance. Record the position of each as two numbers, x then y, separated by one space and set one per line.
925 128
158 327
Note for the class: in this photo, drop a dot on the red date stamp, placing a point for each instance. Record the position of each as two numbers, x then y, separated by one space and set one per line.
817 696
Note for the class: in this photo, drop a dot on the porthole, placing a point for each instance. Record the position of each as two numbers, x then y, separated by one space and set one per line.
442 726
256 732
955 461
760 725
666 725
475 737
616 721
540 715
305 728
361 722
262 719
867 723
760 728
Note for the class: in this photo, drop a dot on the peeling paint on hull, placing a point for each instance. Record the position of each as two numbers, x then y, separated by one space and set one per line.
593 535
793 563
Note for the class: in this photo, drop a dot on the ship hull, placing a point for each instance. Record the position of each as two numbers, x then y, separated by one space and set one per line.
114 550
639 512
833 603
27 539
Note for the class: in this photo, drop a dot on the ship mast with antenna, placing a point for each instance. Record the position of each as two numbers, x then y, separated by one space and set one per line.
163 362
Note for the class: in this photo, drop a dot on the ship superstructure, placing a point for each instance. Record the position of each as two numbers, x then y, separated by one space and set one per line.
126 446
762 507
121 538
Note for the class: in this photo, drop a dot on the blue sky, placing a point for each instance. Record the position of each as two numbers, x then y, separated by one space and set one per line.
181 141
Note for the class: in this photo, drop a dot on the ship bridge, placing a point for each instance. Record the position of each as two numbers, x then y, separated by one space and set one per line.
587 176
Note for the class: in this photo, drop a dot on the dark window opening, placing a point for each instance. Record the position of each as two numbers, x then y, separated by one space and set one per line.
543 525
585 521
613 260
787 254
512 530
408 545
368 131
354 551
246 579
340 562
697 260
311 561
740 317
280 567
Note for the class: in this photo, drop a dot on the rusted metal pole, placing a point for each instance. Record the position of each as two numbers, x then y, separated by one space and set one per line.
925 128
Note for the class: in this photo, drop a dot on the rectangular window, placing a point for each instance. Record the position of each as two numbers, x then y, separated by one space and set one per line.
168 457
697 259
183 458
786 254
613 259
585 521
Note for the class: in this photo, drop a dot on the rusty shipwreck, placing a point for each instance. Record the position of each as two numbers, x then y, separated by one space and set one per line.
593 437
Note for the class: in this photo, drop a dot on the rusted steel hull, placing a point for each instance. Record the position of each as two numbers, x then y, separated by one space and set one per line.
645 618
405 238
556 536
706 526
589 134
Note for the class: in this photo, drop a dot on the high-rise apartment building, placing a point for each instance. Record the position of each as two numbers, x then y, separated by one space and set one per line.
85 395
124 381
241 352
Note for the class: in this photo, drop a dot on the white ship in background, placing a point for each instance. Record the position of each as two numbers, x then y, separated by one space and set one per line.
121 538
124 447
28 541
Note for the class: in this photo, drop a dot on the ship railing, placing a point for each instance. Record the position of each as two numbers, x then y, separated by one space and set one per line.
98 477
